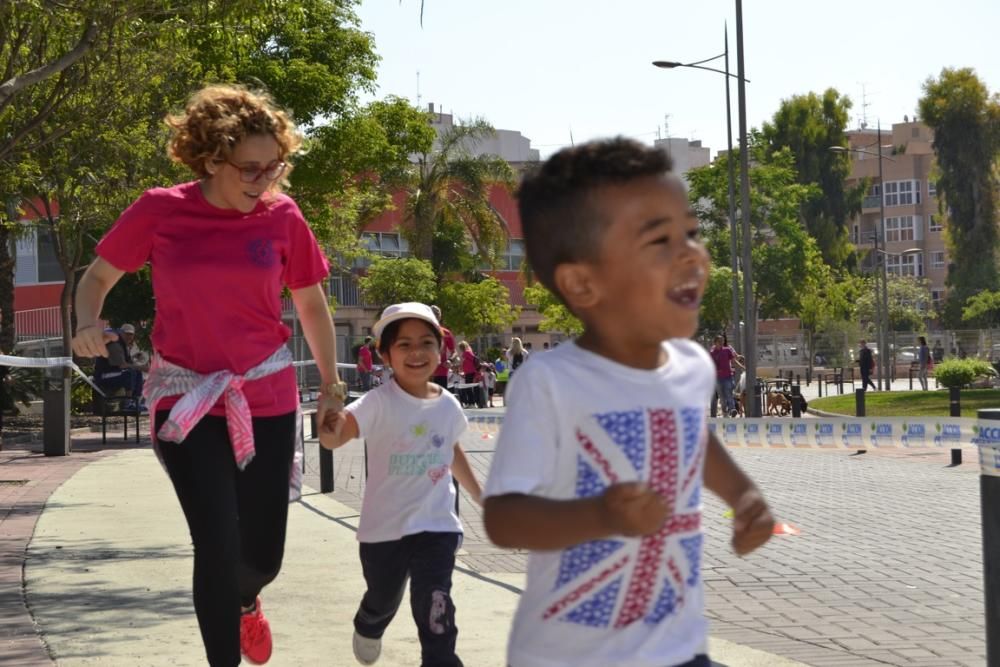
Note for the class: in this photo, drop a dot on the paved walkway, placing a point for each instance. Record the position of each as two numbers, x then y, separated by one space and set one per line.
106 575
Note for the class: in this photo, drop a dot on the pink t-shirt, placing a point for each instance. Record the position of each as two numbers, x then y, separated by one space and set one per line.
723 358
469 362
217 280
365 359
447 349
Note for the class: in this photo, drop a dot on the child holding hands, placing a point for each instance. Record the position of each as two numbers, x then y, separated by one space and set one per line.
409 527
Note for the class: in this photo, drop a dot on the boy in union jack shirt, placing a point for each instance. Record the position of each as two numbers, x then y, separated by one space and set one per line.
604 450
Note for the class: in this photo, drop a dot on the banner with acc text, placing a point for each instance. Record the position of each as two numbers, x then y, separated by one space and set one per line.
838 432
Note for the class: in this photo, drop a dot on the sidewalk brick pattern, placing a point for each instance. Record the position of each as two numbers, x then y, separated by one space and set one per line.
887 569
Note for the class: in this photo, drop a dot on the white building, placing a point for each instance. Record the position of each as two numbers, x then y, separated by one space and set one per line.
686 154
510 145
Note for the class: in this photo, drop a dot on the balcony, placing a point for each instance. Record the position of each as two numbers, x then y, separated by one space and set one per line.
871 202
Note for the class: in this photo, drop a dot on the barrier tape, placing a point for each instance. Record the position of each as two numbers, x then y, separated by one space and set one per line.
837 432
47 362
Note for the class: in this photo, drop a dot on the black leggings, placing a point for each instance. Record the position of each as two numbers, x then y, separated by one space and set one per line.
237 520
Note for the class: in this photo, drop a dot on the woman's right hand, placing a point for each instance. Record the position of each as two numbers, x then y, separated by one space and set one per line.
92 341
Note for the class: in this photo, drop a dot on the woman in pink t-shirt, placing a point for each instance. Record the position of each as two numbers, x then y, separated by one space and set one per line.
221 387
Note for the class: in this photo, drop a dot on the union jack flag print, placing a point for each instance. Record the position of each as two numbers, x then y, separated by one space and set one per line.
618 582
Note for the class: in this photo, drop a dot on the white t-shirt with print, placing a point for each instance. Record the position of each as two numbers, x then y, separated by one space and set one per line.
411 444
576 423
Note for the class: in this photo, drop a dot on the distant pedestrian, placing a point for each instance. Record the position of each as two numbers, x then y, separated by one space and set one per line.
866 363
366 366
443 369
221 387
725 357
409 528
516 354
925 360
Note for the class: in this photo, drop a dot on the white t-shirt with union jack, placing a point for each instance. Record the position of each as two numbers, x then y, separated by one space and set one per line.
577 422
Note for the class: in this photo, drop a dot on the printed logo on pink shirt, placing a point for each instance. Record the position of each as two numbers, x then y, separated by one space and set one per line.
261 252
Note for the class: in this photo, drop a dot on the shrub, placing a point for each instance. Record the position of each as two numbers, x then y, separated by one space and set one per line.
961 372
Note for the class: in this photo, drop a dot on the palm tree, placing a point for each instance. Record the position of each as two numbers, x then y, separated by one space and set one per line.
449 192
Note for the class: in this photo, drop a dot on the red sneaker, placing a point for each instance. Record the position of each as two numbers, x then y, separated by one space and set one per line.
255 636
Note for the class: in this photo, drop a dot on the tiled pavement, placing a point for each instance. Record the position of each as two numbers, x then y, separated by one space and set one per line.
886 571
27 479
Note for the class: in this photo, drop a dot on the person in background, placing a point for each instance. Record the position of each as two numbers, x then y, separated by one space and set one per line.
938 352
116 371
489 381
516 354
365 365
724 358
447 352
222 387
470 363
926 362
866 362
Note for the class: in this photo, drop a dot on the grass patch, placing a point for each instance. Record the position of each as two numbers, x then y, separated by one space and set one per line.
910 403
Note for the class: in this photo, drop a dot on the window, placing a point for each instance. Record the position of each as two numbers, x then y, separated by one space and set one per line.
934 223
875 190
937 297
512 259
905 265
855 234
932 188
384 244
899 229
937 259
902 193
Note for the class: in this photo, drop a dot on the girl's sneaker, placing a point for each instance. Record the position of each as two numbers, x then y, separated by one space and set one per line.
367 650
255 635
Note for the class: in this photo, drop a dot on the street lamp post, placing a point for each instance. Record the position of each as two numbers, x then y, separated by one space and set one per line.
734 260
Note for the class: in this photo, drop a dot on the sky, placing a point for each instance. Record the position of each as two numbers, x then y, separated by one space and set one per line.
557 70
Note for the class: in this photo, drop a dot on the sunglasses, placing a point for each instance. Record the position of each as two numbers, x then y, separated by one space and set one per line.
271 171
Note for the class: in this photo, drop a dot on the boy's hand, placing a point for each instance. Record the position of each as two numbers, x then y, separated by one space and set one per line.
633 509
753 524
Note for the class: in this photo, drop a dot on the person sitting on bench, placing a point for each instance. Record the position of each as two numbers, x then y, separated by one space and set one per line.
117 372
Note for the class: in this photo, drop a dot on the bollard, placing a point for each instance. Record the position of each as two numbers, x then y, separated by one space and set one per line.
758 399
796 401
859 408
55 419
955 410
809 375
989 501
819 385
325 459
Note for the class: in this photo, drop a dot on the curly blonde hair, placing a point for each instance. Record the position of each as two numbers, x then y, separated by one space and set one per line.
218 117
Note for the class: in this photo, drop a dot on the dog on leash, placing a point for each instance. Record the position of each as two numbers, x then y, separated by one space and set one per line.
778 404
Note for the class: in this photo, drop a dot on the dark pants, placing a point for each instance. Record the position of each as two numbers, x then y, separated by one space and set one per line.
428 560
699 661
237 520
130 380
866 379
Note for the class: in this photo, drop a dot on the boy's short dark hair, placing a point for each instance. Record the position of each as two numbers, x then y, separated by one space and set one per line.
391 332
560 221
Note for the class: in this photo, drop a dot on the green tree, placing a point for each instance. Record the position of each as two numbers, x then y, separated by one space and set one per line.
909 301
983 309
808 125
965 118
450 187
478 308
555 315
390 280
717 302
784 255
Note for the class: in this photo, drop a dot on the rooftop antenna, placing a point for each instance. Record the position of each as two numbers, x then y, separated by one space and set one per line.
864 106
418 88
666 125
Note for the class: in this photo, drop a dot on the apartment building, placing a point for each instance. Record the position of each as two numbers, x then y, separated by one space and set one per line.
912 221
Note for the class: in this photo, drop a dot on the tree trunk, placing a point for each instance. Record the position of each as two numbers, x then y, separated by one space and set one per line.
7 266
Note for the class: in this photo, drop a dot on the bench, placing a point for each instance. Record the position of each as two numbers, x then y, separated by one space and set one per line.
113 406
